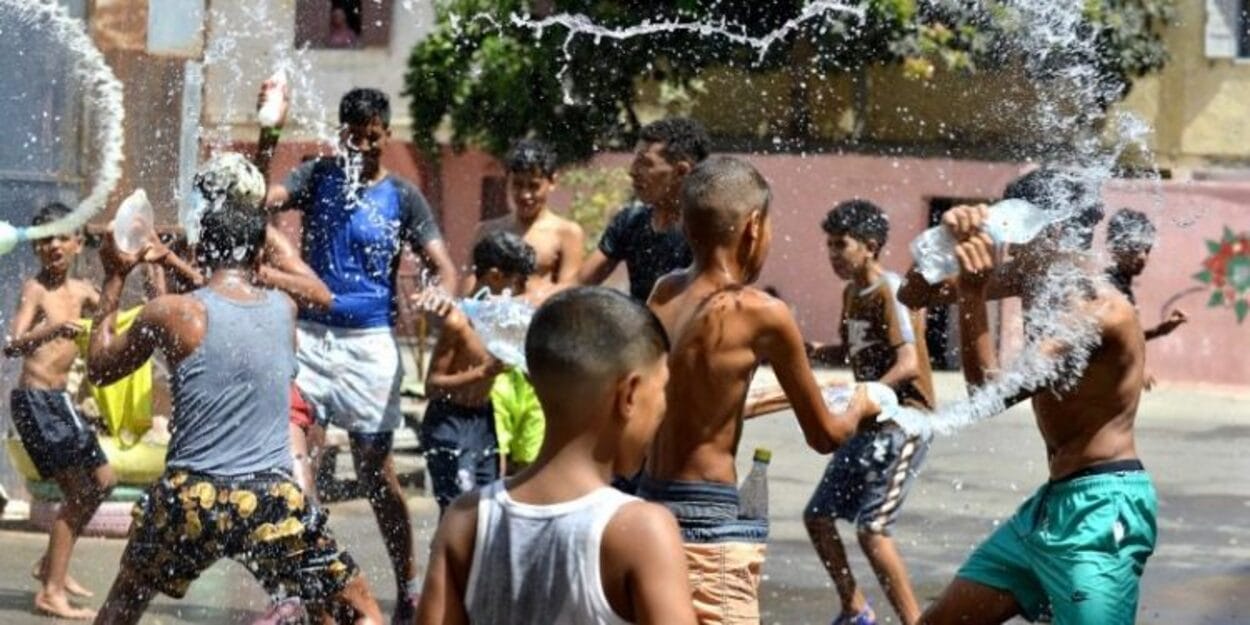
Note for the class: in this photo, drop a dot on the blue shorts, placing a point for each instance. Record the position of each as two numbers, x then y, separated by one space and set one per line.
55 437
868 478
461 451
706 512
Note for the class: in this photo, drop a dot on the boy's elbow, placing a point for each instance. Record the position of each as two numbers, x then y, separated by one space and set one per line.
822 443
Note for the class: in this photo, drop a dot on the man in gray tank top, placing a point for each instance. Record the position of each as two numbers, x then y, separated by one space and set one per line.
227 491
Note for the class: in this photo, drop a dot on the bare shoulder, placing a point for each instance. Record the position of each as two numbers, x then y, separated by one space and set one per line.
764 307
567 227
642 528
1117 318
165 309
669 286
33 290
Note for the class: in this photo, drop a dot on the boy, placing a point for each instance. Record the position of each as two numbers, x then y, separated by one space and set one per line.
868 478
1077 548
645 235
458 430
62 446
227 490
558 242
556 544
357 217
1130 237
721 328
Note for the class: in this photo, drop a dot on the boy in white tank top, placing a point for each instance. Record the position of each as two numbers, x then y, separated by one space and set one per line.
556 544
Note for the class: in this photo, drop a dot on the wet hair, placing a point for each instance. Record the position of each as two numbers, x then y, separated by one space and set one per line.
504 251
231 237
528 155
362 105
590 335
718 195
1130 231
49 213
1057 190
684 139
859 219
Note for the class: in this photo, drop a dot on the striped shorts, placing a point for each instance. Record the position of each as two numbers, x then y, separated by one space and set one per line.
868 478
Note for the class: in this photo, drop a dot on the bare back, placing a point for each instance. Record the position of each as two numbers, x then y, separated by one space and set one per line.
714 332
458 350
1093 422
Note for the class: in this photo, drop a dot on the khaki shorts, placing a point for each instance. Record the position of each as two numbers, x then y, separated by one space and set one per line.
725 580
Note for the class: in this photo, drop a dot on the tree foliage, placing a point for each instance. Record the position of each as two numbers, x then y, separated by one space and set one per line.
493 76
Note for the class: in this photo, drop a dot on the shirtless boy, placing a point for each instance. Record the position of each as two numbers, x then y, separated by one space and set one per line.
721 328
1075 549
556 544
60 444
227 490
458 430
559 243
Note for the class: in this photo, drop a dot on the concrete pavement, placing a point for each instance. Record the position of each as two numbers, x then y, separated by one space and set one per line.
1193 441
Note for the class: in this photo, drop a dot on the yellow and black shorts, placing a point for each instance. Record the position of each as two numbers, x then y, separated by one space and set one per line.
187 521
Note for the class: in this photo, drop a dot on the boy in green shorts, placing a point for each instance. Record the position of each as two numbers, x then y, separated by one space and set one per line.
1078 546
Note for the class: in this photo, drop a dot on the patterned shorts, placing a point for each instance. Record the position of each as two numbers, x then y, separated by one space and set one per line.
186 522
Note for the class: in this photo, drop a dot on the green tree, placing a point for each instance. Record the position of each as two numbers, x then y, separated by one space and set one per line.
495 77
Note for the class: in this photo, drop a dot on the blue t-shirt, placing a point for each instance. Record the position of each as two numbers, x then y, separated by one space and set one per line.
354 243
648 254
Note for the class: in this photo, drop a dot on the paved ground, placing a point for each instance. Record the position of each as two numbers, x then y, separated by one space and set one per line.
1192 440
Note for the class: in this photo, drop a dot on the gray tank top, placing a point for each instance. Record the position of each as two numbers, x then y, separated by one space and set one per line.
232 394
539 565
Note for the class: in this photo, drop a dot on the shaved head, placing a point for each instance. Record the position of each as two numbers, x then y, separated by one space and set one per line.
718 196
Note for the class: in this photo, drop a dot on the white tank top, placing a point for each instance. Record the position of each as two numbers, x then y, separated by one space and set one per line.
539 565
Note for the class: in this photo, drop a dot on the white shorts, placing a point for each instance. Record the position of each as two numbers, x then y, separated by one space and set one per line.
350 376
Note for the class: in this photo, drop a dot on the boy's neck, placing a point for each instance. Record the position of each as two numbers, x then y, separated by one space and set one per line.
52 278
567 468
868 275
526 222
718 266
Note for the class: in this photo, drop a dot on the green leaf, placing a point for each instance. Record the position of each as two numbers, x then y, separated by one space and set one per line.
1242 307
1213 247
1203 276
1228 235
1217 299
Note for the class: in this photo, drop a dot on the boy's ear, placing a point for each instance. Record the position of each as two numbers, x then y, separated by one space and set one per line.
628 387
683 167
874 248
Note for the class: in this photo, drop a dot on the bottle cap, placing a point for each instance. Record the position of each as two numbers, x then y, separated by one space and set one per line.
763 455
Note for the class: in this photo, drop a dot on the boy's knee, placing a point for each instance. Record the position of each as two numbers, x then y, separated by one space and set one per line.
870 535
818 523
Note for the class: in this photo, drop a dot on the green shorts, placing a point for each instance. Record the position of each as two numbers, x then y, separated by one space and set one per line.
519 420
1075 549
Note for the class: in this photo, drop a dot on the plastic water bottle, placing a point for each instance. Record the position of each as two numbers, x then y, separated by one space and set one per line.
838 398
1009 221
134 223
272 99
753 494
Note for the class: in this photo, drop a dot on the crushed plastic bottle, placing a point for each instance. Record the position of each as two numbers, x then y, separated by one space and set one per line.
134 223
502 323
1009 221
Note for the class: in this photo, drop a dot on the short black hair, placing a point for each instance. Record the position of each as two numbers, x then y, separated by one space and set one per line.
1062 191
527 155
1130 230
684 139
361 105
859 219
231 237
49 213
504 251
592 335
717 197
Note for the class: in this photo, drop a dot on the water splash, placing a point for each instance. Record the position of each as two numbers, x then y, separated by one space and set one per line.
502 322
102 89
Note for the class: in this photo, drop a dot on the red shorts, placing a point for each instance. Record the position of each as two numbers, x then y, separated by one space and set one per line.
300 414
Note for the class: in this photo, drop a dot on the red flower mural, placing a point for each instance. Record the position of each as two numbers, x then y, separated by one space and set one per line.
1227 271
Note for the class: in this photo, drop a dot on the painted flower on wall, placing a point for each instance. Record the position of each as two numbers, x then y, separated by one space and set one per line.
1227 272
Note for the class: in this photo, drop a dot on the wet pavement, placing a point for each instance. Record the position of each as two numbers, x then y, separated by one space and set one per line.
1192 440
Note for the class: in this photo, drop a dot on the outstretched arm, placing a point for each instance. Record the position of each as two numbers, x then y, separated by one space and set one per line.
782 345
596 269
1175 320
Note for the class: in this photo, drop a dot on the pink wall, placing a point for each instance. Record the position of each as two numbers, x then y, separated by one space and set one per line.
1210 349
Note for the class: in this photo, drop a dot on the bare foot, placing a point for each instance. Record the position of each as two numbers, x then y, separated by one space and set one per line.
60 607
71 585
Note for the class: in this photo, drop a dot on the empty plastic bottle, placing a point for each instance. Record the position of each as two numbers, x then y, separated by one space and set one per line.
753 494
134 223
1009 221
272 100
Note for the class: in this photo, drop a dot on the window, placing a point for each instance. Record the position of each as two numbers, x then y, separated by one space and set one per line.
343 24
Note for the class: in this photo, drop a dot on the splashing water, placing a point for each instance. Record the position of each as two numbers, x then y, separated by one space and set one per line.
502 322
103 90
1049 43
